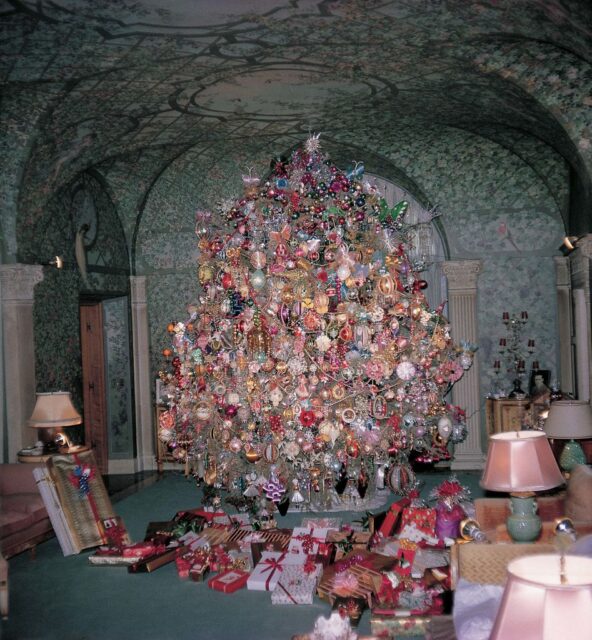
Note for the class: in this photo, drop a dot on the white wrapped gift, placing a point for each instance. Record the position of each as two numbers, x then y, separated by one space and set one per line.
305 540
295 586
269 569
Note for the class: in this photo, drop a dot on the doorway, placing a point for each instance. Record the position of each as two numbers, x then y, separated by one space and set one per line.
93 382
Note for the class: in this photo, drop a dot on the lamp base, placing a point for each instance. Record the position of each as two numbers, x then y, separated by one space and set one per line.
571 456
523 524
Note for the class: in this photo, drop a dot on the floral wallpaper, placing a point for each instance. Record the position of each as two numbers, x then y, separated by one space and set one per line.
56 305
479 108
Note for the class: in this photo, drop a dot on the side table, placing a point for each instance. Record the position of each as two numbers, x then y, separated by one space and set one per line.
35 459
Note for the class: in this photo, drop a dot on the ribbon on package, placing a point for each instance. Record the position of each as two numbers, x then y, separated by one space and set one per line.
281 586
308 541
272 565
80 478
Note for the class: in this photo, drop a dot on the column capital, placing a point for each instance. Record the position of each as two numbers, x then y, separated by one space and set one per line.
17 281
462 274
562 271
138 289
585 246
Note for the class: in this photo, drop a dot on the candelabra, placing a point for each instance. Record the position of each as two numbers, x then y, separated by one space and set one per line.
514 351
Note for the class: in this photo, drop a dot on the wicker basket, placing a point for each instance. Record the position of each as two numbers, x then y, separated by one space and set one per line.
487 563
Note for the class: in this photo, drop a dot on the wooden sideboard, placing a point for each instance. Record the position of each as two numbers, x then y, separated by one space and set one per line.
506 414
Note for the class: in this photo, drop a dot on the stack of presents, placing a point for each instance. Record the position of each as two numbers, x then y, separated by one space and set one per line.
394 564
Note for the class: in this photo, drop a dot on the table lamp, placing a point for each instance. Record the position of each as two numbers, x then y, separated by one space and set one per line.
546 597
53 412
570 420
521 462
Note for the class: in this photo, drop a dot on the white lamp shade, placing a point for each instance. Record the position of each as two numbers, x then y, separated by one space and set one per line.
520 461
569 419
537 605
54 410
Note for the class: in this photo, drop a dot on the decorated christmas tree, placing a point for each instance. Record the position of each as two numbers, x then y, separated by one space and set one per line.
311 365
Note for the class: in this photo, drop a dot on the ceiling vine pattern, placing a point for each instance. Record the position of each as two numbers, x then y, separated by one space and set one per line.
105 82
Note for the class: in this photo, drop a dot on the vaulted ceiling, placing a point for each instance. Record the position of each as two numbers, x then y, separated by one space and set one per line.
103 83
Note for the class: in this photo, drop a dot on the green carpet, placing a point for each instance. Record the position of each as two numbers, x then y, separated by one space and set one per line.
53 597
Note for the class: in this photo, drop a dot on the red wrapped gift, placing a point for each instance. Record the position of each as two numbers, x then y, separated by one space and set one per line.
229 581
388 526
184 564
418 523
142 550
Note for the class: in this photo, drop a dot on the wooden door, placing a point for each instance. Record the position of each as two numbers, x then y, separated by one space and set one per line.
93 382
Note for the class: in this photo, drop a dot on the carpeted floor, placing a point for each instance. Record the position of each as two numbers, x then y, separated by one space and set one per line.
53 597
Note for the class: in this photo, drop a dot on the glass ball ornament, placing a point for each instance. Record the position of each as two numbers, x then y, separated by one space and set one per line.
445 427
258 280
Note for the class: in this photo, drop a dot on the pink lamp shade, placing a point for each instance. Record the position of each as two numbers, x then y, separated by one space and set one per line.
520 461
54 410
569 419
543 602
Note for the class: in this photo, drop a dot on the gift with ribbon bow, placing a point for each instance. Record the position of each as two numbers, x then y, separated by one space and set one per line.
306 540
295 586
268 571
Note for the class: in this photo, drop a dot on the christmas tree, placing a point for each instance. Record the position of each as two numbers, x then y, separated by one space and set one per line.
311 360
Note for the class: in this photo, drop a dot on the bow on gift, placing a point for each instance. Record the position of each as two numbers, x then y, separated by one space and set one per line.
80 477
308 541
272 565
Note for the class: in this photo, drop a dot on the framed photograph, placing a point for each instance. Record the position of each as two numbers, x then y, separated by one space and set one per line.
540 380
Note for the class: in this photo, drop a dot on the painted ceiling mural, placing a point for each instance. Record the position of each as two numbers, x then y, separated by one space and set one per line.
482 108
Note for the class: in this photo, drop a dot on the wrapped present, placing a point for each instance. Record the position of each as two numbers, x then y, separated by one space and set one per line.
110 557
331 524
161 532
259 548
153 562
76 500
229 581
295 586
142 550
241 560
113 531
360 539
232 519
326 554
306 540
419 524
267 572
399 626
184 564
341 540
351 607
357 575
389 522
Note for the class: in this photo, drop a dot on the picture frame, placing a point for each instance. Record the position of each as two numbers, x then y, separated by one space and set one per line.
540 380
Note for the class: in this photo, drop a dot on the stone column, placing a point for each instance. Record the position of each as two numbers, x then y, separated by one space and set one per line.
142 381
466 393
564 325
581 279
17 283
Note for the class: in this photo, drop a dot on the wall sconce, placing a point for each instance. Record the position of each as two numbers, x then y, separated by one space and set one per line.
569 244
57 262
